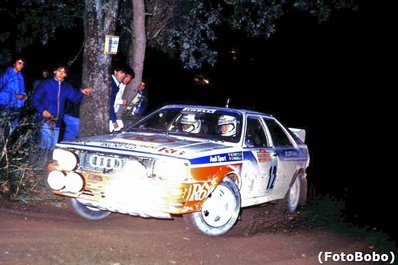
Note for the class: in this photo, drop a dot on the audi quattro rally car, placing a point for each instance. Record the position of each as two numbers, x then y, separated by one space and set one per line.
204 163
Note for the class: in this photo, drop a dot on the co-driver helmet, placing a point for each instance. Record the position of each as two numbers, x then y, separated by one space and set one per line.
227 125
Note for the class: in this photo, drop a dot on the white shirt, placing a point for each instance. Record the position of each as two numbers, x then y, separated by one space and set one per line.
119 95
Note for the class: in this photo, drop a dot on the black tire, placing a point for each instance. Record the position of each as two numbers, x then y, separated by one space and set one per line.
210 220
297 194
88 212
303 191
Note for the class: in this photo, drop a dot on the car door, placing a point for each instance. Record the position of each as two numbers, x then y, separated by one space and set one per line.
259 169
286 156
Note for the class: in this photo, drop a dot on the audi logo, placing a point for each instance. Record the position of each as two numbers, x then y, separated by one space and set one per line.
105 162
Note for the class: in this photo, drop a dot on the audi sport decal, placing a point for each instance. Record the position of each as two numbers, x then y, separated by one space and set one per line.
221 158
218 158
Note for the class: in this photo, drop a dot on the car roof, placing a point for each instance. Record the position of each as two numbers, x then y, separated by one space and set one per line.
243 111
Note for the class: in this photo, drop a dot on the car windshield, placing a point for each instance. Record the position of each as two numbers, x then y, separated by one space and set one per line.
201 122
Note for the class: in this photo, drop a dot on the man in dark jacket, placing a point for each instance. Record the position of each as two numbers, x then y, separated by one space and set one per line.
49 101
119 73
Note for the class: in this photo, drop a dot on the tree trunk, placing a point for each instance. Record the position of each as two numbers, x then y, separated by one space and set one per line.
137 53
99 20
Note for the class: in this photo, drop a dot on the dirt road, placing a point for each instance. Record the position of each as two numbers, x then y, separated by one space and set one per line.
53 234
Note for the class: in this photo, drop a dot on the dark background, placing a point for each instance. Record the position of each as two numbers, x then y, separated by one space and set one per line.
309 75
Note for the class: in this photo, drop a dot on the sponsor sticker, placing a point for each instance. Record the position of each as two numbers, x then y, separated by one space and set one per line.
263 156
199 110
197 191
171 151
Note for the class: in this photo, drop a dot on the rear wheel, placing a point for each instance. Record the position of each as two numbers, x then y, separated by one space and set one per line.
293 196
297 194
88 212
219 211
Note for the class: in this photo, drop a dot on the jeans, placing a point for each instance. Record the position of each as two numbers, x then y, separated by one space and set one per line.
71 127
49 136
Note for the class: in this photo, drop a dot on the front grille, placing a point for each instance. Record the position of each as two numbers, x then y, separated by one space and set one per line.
101 163
108 163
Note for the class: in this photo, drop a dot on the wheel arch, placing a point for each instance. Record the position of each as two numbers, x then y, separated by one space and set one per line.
222 172
227 171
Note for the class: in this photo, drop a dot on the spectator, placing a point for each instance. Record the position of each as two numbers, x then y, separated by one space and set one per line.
119 100
119 73
49 100
138 105
37 82
12 90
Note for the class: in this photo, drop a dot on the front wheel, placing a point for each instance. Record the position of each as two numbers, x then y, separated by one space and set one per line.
219 211
88 212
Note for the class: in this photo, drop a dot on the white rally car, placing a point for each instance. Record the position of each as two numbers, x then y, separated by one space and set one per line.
204 163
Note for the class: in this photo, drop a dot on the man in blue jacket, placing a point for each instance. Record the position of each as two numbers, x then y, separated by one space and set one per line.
12 90
49 101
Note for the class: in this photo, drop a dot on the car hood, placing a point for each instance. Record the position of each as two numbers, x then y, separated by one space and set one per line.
149 143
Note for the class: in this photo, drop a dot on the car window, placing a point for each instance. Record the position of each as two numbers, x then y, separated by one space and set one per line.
255 135
193 122
278 135
161 120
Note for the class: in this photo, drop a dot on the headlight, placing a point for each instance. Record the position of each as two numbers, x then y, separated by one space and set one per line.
134 169
67 160
74 182
56 180
171 169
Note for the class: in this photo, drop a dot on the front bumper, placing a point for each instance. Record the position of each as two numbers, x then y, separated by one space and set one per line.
141 197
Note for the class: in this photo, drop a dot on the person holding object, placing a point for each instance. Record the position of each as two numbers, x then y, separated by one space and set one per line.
49 100
137 107
12 90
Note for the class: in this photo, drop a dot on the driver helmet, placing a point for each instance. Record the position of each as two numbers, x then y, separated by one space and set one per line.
190 124
227 125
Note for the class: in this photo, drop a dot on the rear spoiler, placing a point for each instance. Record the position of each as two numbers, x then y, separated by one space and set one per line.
300 133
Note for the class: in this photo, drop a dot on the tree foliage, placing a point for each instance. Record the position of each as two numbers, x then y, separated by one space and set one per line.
186 29
190 28
30 22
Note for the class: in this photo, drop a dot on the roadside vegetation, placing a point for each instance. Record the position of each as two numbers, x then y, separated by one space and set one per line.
22 162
